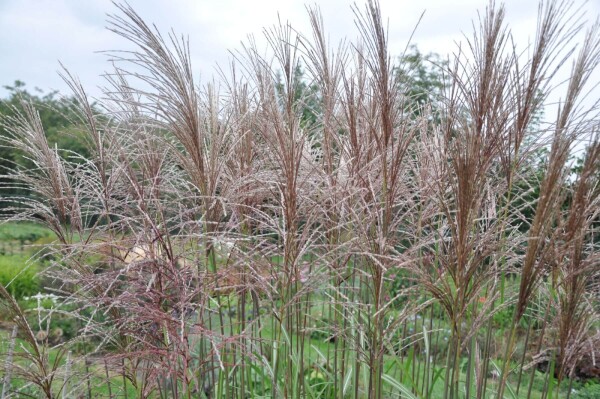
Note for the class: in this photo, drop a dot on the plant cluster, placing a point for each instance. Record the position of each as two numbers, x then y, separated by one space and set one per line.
331 234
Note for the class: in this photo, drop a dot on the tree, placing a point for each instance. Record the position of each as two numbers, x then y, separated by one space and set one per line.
58 118
422 77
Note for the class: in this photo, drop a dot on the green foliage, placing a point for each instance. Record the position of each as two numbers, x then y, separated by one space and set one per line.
61 325
58 119
399 281
319 382
591 390
18 276
23 232
306 97
421 76
504 317
321 330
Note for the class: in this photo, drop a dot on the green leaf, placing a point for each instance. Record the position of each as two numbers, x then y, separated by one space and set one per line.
399 386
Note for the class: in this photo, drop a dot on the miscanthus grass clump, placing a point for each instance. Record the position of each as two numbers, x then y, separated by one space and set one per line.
311 225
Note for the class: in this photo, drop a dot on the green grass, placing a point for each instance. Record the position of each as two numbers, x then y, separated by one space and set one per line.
15 231
18 242
15 237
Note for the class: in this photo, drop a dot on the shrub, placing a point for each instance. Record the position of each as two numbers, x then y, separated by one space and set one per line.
591 390
18 276
59 321
503 318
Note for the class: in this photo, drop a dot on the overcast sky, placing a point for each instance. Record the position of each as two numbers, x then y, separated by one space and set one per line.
36 34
